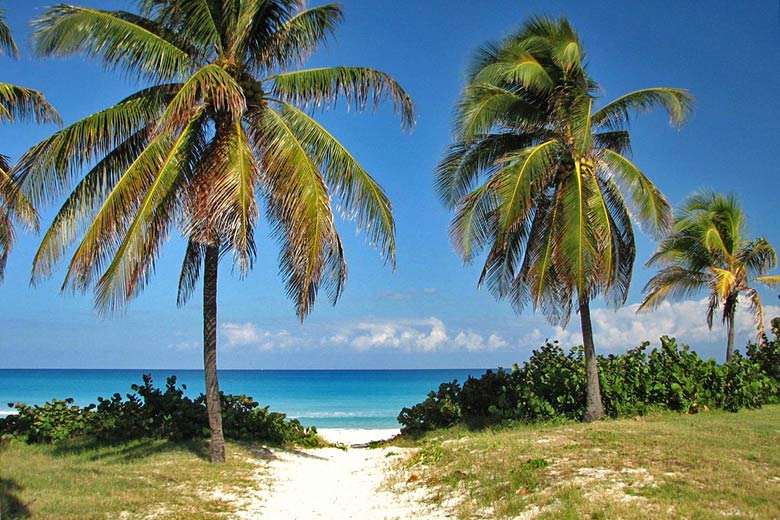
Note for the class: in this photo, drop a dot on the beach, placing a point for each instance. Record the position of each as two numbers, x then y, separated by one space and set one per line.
336 483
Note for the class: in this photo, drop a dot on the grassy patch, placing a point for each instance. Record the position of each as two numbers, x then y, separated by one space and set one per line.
141 479
711 465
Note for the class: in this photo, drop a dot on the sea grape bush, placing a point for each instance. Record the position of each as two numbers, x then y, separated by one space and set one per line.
550 386
152 412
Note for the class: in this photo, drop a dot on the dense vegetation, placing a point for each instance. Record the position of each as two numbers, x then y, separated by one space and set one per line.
153 413
550 386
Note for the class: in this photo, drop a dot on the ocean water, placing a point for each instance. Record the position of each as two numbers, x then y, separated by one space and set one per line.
366 399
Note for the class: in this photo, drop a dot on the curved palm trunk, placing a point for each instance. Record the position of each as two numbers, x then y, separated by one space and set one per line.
594 409
211 262
730 332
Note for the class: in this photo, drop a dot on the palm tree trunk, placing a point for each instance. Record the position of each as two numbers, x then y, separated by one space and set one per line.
211 263
594 409
730 332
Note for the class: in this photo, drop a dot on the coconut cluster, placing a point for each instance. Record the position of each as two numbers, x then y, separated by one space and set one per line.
253 90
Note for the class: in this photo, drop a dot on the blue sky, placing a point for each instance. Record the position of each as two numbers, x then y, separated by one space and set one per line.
428 312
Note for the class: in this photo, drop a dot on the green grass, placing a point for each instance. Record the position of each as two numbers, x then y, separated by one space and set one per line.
140 479
711 465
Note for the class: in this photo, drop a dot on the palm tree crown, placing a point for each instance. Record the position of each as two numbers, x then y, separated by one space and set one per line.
542 179
218 126
221 127
16 103
707 251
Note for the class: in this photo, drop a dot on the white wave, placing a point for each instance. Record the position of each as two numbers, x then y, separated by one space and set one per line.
6 413
327 415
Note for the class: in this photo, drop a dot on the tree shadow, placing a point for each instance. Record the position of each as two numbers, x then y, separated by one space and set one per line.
10 504
129 450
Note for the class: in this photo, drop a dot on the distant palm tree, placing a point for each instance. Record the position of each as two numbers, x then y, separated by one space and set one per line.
16 103
220 126
538 176
708 251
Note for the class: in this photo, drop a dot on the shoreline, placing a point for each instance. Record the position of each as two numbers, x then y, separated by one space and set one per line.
357 437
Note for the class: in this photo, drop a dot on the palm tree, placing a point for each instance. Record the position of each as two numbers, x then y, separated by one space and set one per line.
221 124
540 179
707 250
16 103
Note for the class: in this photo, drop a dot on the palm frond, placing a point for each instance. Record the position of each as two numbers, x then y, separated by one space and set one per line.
7 43
231 209
112 38
359 195
82 203
190 271
650 206
50 167
465 161
616 115
23 103
361 87
672 282
485 108
475 221
619 141
134 258
210 84
299 207
298 37
117 211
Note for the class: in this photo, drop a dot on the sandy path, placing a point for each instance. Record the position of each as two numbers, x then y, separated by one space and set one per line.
330 483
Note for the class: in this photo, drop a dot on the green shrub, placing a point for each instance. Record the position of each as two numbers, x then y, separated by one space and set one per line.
551 386
152 412
440 410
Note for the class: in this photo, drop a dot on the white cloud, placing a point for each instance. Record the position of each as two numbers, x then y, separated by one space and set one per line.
422 335
471 341
250 335
624 328
425 335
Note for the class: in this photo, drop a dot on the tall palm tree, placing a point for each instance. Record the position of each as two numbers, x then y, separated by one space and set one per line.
707 251
16 103
221 124
540 178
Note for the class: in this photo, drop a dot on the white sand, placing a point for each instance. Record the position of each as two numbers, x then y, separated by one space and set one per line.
331 483
351 437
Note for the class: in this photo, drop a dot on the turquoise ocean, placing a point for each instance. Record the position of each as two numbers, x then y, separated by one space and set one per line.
365 399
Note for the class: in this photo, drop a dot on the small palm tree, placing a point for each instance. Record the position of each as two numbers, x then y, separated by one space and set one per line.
707 251
220 125
16 103
540 178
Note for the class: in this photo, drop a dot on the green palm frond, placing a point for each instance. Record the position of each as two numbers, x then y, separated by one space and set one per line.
672 282
466 161
298 37
619 141
650 206
49 168
616 115
360 197
133 261
7 43
474 223
82 203
112 220
232 204
23 103
193 22
361 87
112 38
190 271
299 206
210 84
516 66
485 108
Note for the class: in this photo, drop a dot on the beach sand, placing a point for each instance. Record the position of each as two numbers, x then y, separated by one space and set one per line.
333 483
